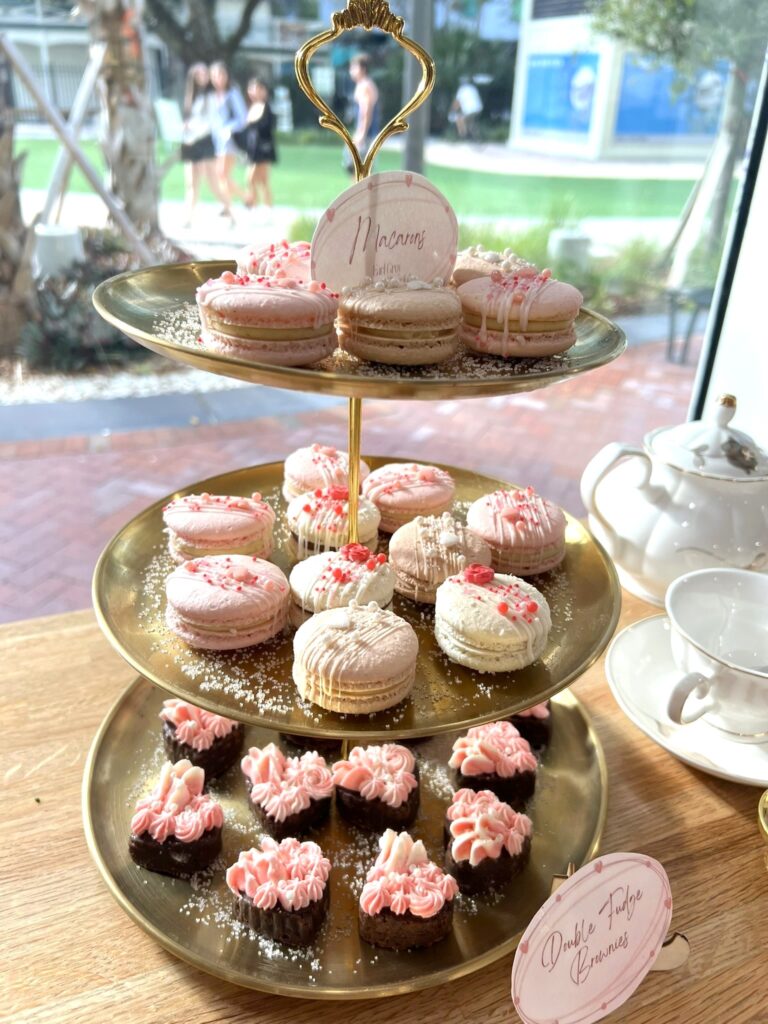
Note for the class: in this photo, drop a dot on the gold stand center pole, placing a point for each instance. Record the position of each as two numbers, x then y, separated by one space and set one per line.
355 425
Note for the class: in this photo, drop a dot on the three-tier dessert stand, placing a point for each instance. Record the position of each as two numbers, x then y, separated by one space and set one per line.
156 308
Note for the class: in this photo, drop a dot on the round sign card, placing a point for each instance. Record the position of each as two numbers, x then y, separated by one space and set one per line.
394 224
593 941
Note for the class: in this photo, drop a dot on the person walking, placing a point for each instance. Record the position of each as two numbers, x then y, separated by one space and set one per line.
197 152
466 108
257 140
366 98
231 115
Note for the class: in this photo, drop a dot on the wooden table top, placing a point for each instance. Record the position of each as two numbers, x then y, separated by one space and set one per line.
71 954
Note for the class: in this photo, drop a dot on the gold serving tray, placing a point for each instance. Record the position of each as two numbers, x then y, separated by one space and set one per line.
156 307
568 812
255 685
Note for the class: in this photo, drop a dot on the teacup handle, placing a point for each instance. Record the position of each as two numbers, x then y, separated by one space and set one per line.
683 689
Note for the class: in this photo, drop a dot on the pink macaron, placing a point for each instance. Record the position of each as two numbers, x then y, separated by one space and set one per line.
403 490
266 260
226 602
319 465
216 524
525 532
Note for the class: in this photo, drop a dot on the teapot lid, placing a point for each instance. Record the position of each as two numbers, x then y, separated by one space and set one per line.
710 446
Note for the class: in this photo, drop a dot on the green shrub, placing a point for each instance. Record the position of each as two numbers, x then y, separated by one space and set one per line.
302 229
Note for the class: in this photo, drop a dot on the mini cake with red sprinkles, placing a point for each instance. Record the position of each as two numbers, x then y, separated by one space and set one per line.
495 756
281 890
535 724
407 900
525 532
336 578
218 524
176 830
490 622
377 787
319 465
289 795
488 842
209 741
403 490
292 258
319 521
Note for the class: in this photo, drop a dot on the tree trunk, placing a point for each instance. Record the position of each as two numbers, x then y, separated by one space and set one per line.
17 292
735 125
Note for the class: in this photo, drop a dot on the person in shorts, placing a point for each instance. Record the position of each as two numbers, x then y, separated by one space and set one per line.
197 153
257 140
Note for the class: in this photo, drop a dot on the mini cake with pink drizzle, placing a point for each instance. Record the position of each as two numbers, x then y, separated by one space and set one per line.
429 549
209 741
176 830
281 890
487 841
403 490
407 900
227 602
495 756
535 724
477 261
319 465
525 532
515 314
276 320
491 622
267 260
218 524
377 787
319 521
336 578
289 795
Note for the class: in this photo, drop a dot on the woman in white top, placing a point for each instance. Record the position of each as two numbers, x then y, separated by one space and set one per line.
231 117
197 150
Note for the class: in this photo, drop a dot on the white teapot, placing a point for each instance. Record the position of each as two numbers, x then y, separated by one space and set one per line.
694 496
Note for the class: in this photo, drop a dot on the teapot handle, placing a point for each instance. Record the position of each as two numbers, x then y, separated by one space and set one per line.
599 466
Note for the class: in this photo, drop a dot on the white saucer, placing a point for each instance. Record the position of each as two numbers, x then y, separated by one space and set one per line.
641 673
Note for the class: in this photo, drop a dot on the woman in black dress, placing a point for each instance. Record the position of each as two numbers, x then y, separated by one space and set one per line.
258 141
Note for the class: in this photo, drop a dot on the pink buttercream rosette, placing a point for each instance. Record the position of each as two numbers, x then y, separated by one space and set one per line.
195 727
482 826
540 711
493 749
290 873
404 879
177 806
378 773
282 785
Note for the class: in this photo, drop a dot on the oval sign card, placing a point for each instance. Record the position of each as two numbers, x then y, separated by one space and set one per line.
593 941
393 224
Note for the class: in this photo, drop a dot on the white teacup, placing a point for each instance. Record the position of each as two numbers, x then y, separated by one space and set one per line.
719 635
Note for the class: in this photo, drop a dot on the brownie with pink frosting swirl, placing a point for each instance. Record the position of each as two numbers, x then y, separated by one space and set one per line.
377 787
209 741
495 756
176 829
487 841
535 724
289 795
407 900
281 889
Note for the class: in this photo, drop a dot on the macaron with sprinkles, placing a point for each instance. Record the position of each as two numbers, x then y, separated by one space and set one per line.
317 465
403 490
266 260
319 521
525 532
215 524
334 579
477 261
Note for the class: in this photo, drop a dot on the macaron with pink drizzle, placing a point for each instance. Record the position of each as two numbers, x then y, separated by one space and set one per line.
211 742
377 787
319 521
525 532
407 900
319 465
403 490
226 602
487 842
518 315
267 260
281 890
276 320
477 261
495 756
288 795
491 622
336 578
176 828
429 549
218 524
535 724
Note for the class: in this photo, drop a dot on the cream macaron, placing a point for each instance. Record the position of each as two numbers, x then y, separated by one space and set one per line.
525 532
491 622
319 521
226 602
403 490
293 258
276 320
216 524
355 660
318 465
476 261
334 579
400 322
519 315
429 549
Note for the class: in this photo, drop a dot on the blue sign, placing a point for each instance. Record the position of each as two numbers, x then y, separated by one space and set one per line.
559 93
649 106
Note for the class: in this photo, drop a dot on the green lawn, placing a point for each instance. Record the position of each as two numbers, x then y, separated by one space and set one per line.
309 176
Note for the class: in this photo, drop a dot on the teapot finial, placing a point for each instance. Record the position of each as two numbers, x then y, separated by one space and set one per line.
726 409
